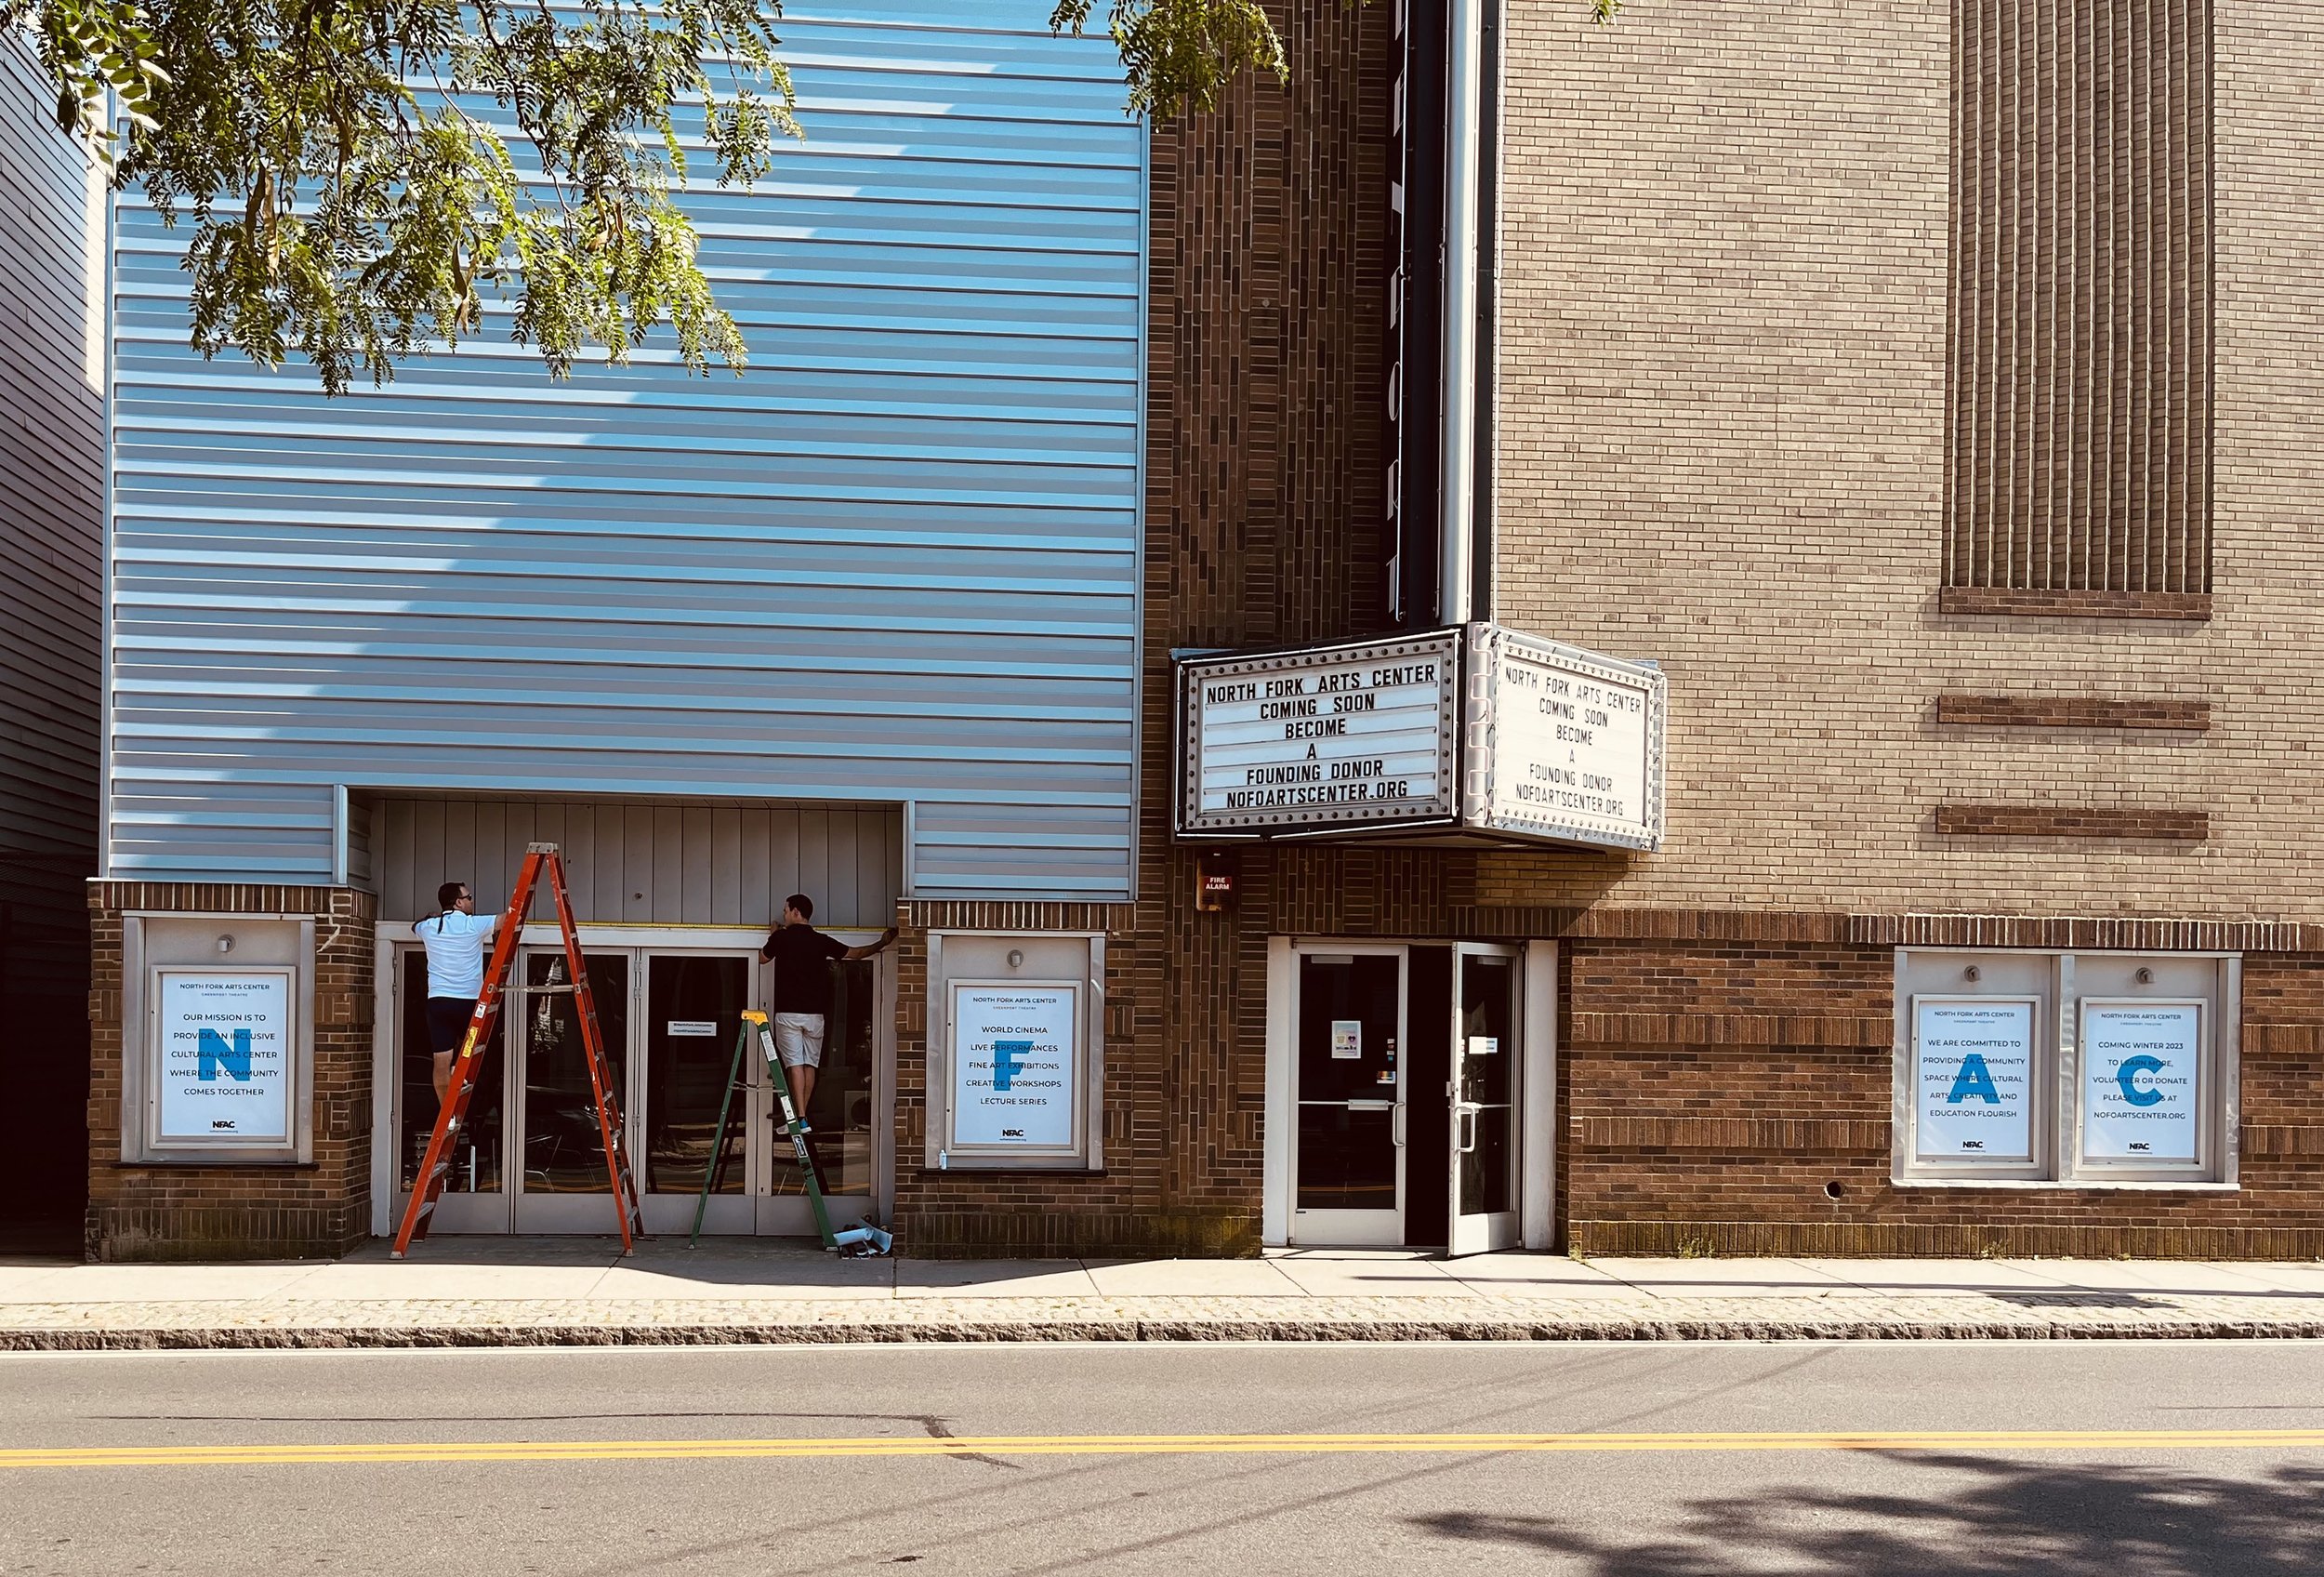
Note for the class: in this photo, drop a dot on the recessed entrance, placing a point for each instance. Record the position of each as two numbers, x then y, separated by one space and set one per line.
1397 1100
669 1015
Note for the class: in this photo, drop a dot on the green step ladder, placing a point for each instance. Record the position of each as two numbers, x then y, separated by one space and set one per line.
864 1238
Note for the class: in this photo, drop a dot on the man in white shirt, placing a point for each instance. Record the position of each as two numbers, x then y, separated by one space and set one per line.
455 938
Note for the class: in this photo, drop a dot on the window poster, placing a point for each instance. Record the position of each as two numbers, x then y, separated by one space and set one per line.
1972 1078
1015 1046
2141 1078
223 1054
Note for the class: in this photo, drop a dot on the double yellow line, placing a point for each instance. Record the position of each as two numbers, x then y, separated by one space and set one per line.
1986 1440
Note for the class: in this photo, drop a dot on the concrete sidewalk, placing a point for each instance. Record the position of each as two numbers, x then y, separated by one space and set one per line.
523 1291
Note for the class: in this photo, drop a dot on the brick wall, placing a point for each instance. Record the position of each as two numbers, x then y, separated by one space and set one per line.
1266 504
233 1212
1711 1091
1726 261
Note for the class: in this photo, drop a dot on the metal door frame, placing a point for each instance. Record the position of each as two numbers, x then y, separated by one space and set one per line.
1346 1228
1497 1229
792 1215
558 1213
471 1213
457 1211
730 1214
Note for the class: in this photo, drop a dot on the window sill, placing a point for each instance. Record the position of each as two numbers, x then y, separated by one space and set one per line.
1053 1168
1995 601
2069 1185
216 1163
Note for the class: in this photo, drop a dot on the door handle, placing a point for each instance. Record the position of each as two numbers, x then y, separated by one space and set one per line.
1467 1115
1395 1125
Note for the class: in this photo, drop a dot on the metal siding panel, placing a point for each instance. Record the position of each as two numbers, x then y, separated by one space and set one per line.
667 888
783 877
362 830
814 859
459 843
610 885
899 562
636 863
694 888
428 854
668 846
726 870
757 856
52 465
871 864
396 894
495 838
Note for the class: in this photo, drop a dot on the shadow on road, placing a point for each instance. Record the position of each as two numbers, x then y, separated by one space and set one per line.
1993 1518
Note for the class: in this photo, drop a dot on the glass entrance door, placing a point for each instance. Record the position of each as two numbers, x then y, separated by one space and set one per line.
694 1011
1485 1054
562 1181
474 1196
1348 1163
840 1131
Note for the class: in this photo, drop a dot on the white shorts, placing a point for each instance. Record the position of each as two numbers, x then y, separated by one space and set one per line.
799 1039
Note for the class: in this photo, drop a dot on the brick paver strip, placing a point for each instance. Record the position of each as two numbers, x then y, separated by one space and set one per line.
697 1321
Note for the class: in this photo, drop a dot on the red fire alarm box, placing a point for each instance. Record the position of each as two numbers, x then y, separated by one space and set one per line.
1214 882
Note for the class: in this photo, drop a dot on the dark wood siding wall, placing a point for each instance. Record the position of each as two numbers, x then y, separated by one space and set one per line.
52 435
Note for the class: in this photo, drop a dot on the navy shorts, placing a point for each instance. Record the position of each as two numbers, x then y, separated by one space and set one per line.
447 1023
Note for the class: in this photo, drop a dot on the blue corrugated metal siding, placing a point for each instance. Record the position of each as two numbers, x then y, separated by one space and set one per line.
896 561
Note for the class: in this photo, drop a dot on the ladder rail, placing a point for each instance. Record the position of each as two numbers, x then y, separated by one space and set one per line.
452 1112
609 1123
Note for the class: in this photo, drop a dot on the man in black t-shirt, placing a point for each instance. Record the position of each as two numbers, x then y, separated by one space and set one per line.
802 957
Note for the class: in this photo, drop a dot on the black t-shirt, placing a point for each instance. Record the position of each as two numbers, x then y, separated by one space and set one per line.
802 968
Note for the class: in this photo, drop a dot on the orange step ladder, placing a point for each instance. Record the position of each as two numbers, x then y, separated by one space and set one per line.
452 1114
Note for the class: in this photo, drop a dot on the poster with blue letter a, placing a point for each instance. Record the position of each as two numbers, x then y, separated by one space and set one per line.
1972 1080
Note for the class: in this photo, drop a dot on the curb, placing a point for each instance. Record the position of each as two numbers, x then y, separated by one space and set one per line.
253 1337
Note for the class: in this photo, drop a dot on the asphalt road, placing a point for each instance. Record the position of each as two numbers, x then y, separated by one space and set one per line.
2114 1459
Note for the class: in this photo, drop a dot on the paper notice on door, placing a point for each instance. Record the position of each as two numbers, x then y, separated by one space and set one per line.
704 1026
1347 1039
1483 1045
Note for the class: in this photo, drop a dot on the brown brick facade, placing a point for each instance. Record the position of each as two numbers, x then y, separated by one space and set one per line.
232 1211
1678 1138
1725 434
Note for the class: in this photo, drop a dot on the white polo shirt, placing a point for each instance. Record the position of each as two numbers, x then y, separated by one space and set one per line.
456 952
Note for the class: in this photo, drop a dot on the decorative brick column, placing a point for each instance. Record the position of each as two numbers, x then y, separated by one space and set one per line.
238 1211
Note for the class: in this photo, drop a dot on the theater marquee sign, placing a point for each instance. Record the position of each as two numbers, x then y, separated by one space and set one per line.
1478 734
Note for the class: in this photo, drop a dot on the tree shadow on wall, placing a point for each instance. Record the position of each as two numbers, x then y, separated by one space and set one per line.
1993 1518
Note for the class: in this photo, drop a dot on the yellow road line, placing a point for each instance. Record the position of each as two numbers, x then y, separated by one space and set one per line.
1150 1445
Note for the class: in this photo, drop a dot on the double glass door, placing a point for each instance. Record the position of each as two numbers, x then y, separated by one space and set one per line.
533 1159
1406 1067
